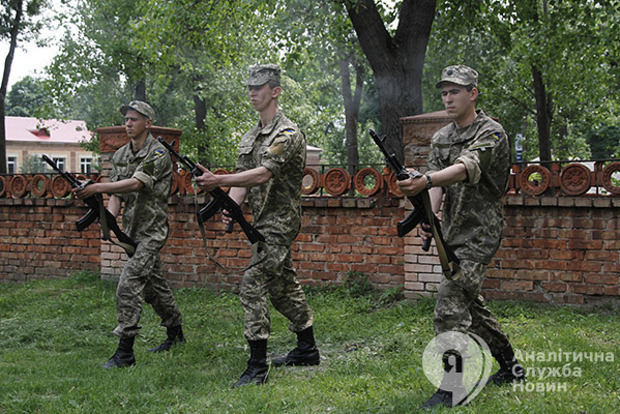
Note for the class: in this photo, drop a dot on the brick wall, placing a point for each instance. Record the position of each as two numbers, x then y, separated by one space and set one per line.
338 236
557 249
39 240
554 250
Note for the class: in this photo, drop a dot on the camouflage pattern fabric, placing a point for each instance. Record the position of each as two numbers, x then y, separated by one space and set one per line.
472 222
271 272
276 207
145 219
145 212
473 216
461 308
142 276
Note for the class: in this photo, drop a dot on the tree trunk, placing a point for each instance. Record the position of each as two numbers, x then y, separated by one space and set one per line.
397 62
141 90
543 115
351 112
200 114
8 62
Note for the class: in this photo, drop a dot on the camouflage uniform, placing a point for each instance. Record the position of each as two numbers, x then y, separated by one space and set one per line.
472 222
145 221
276 207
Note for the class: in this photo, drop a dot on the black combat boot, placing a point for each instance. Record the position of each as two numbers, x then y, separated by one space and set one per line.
258 369
451 391
123 357
510 370
306 352
175 336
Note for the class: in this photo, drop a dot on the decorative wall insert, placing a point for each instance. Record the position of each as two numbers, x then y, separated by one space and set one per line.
561 178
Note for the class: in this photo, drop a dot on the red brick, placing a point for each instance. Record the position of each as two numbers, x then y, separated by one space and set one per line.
584 266
569 276
491 284
587 289
554 286
612 290
611 280
510 285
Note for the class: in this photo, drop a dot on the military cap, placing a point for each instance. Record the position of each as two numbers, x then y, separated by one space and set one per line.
139 106
261 74
460 75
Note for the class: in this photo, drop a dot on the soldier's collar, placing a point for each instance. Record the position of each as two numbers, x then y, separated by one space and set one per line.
268 129
145 147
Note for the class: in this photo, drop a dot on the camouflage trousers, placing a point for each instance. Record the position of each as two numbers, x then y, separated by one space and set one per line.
461 308
271 272
142 278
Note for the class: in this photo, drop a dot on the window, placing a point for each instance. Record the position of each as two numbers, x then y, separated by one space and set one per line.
60 163
11 164
86 165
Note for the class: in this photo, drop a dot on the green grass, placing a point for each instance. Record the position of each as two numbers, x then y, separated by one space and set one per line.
55 335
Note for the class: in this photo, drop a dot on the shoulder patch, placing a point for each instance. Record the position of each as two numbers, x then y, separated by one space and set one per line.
288 131
159 152
497 136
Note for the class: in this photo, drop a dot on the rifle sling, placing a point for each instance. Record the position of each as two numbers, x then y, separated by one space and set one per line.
105 230
449 268
201 226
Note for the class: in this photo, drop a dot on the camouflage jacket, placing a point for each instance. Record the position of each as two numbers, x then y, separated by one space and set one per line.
473 216
276 205
145 212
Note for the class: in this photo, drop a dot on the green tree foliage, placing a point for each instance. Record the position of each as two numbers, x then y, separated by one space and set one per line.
335 74
33 164
347 65
18 21
193 72
27 98
564 53
394 40
604 142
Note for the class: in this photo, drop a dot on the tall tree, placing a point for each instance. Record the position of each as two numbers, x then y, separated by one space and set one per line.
397 60
26 98
335 51
15 22
548 68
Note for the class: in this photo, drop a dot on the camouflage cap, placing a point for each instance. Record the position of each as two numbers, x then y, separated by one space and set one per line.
261 74
460 75
141 107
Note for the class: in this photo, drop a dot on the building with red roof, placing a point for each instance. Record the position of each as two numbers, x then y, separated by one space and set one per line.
58 139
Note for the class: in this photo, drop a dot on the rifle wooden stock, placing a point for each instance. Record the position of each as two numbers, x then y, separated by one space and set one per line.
220 200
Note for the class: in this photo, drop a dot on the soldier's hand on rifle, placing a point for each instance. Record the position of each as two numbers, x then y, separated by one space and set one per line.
85 191
226 219
207 181
413 185
425 231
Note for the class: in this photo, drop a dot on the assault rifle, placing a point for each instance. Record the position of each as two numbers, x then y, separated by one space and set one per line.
422 212
220 200
97 211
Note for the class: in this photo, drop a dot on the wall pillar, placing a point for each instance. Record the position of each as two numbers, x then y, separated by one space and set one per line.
422 269
110 140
